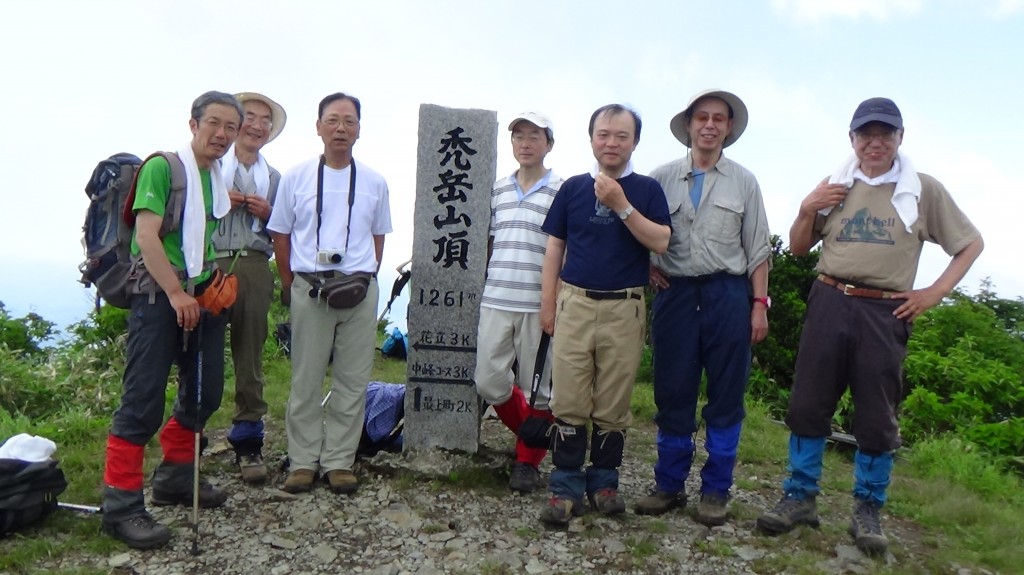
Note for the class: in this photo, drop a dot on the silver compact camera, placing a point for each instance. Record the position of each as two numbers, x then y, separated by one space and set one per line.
328 257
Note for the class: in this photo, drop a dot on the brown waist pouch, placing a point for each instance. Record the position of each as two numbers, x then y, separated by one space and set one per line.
217 293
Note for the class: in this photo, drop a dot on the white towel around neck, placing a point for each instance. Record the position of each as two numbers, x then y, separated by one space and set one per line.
904 197
261 174
193 224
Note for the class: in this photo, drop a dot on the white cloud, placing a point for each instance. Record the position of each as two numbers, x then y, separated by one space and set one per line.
819 11
1005 8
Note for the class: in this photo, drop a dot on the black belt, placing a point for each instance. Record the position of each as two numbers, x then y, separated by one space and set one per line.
242 253
327 274
611 294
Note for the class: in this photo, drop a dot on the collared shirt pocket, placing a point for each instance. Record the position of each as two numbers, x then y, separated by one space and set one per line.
726 220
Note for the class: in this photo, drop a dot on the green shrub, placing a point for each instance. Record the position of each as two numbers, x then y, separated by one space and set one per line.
964 376
25 335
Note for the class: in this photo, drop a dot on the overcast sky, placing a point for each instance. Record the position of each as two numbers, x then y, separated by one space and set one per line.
84 80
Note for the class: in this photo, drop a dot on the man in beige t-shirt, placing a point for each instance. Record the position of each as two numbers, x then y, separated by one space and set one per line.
872 218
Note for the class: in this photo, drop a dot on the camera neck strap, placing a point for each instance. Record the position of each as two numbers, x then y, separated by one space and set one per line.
538 369
320 199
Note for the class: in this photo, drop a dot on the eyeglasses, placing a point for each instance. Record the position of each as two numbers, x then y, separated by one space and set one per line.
230 128
883 136
253 120
520 138
334 121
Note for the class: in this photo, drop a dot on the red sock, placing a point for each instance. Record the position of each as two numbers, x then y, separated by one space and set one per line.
124 464
177 442
514 411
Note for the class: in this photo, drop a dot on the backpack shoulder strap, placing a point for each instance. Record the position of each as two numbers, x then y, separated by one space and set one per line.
176 198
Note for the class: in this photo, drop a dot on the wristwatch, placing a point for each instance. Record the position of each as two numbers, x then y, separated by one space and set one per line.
624 214
767 301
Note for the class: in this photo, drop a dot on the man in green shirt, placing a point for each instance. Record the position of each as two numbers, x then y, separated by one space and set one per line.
164 329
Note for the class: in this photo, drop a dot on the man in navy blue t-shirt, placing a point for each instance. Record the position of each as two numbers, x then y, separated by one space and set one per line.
602 228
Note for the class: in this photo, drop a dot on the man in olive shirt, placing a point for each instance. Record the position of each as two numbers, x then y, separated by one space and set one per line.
872 218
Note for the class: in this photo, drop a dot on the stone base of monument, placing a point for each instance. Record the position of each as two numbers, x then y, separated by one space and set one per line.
490 463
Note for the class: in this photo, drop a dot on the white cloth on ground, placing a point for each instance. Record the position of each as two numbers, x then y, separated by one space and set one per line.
904 197
27 447
193 225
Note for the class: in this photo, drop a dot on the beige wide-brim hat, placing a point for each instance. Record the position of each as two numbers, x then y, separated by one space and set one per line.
277 116
739 117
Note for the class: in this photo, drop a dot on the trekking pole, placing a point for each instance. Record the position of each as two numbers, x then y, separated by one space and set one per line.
199 406
90 509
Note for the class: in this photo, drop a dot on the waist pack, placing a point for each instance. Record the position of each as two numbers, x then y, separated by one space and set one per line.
219 293
28 492
342 291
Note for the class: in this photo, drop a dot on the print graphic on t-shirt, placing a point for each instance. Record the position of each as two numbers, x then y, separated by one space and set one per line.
865 228
602 214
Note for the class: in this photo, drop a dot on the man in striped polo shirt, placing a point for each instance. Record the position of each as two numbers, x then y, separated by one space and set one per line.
509 327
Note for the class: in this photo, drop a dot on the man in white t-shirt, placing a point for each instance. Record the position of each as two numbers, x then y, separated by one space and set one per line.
509 327
328 226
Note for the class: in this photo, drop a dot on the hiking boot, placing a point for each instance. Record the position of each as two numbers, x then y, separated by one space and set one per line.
866 528
254 471
657 502
524 478
787 514
299 481
607 501
342 481
209 497
712 509
560 510
139 532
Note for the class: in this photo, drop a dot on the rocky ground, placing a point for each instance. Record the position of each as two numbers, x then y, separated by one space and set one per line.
444 513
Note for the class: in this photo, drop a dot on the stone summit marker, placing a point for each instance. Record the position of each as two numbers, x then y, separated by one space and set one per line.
455 173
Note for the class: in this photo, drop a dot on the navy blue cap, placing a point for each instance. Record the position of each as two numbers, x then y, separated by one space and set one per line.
877 110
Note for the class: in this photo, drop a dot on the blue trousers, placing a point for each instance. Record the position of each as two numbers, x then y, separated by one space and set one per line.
700 325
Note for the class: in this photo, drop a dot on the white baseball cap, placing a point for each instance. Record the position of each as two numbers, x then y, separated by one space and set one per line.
535 118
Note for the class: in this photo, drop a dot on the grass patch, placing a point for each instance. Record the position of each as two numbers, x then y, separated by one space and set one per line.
527 532
642 547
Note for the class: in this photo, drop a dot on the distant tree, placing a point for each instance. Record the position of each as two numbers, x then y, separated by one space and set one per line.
789 283
1009 312
25 335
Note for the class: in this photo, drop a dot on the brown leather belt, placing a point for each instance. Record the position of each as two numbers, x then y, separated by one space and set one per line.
852 290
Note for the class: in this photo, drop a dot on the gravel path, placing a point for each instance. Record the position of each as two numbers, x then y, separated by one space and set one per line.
447 513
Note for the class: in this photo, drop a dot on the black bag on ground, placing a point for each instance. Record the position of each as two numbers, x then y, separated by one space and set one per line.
536 431
28 492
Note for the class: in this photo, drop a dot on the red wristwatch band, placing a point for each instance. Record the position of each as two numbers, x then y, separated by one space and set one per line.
767 301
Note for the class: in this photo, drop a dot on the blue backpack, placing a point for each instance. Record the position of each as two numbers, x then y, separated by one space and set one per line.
394 345
107 232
